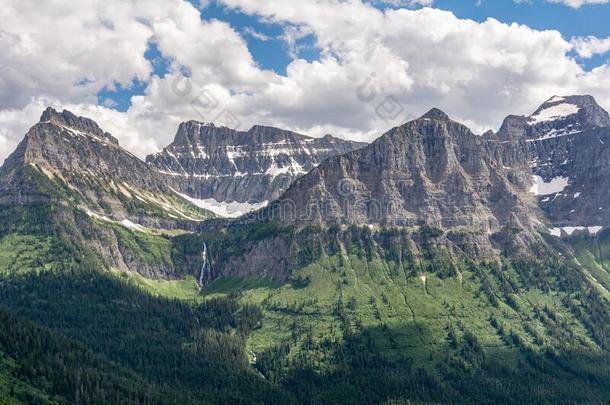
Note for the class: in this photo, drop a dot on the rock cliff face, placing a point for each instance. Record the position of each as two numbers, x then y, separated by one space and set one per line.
552 167
568 142
431 171
557 117
232 172
87 166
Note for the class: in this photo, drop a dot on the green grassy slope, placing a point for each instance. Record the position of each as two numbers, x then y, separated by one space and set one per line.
359 318
593 253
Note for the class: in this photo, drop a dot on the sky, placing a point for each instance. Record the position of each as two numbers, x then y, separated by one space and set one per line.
351 68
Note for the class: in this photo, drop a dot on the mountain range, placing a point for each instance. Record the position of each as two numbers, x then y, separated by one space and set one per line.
433 265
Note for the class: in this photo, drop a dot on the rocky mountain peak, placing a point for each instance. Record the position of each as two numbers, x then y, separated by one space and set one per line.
88 167
240 170
568 139
431 171
191 132
75 124
558 116
436 114
585 108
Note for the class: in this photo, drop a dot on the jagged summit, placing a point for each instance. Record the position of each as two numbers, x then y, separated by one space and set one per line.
195 131
88 167
431 171
558 116
566 142
436 114
242 169
559 107
75 124
586 109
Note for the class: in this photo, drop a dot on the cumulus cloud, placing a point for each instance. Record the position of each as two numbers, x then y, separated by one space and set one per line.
479 72
69 49
405 3
64 52
376 68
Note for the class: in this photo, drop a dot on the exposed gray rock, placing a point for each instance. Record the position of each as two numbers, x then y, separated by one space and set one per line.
209 162
87 166
569 156
558 116
431 171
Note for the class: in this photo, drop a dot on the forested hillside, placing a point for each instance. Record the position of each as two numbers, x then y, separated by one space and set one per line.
363 317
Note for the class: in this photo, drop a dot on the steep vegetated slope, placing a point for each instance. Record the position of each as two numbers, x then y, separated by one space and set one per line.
372 315
73 181
110 339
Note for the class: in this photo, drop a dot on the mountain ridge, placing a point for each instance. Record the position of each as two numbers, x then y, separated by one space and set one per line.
87 165
217 166
566 141
409 167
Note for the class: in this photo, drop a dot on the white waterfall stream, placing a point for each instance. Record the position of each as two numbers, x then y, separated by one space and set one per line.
205 266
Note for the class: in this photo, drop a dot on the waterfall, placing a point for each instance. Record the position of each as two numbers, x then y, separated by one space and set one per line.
205 267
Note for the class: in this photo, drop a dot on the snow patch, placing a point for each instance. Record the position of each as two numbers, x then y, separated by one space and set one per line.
556 133
275 171
130 225
556 185
125 223
558 111
224 209
294 168
569 230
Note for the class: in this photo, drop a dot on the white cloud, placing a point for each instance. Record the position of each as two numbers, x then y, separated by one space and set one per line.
249 31
478 72
405 3
14 123
587 47
578 3
377 69
48 48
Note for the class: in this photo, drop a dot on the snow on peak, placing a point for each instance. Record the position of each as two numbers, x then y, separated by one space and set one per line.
554 112
556 99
